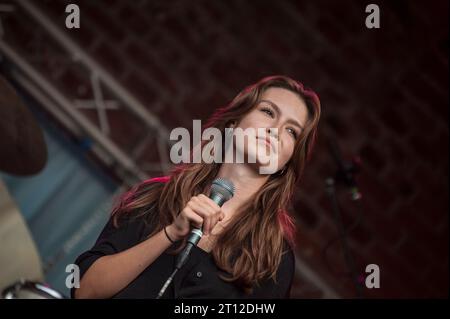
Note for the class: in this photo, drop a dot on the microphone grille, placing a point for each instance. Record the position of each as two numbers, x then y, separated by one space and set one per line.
224 187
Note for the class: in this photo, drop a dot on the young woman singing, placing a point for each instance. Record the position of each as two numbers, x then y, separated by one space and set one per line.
247 247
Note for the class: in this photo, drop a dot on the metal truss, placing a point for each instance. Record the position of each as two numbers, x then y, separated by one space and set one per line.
68 109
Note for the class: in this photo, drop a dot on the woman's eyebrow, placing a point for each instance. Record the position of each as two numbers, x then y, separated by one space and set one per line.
277 109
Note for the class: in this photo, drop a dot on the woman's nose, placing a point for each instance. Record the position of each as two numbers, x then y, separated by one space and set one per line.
272 131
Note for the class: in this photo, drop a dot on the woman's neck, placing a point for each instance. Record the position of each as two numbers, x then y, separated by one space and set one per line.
246 182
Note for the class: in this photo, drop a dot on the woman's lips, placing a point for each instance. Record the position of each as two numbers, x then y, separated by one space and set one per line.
267 142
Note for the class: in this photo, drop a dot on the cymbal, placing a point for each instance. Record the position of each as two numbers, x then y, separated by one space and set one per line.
23 150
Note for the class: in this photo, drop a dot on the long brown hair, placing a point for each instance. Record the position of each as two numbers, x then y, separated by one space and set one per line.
255 248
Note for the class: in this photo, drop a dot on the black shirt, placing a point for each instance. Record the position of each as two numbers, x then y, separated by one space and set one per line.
198 278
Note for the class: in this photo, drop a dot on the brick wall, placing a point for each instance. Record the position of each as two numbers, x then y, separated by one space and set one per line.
384 94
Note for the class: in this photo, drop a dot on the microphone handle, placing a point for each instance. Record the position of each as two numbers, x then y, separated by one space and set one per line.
196 234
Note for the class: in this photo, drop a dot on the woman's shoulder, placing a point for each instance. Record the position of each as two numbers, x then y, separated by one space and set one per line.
139 220
288 255
278 287
139 190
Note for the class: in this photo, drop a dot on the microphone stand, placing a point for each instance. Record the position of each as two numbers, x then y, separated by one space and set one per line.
331 191
345 174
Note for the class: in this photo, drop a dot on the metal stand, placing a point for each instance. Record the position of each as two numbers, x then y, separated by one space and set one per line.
345 175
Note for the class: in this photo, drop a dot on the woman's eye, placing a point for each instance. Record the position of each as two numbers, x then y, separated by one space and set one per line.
268 111
293 132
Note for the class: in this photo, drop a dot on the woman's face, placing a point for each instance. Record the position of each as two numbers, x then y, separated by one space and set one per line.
281 114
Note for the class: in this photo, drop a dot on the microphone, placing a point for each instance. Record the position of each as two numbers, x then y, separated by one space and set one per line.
221 191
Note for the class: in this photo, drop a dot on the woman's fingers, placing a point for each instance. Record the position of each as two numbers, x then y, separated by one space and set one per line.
193 217
209 210
215 210
203 210
214 207
199 211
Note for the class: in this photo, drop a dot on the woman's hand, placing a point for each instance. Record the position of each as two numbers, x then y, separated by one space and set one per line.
200 210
